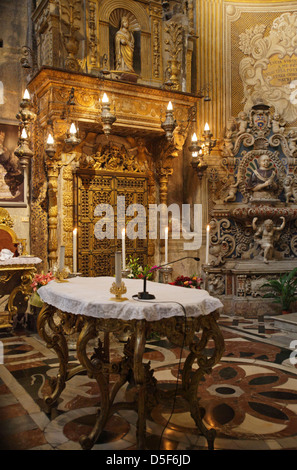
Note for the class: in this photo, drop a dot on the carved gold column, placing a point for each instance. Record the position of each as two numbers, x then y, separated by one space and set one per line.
53 173
210 62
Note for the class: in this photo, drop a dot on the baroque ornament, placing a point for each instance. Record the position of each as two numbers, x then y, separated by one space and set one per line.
270 64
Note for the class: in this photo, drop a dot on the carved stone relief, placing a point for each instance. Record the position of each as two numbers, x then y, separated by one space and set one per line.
253 229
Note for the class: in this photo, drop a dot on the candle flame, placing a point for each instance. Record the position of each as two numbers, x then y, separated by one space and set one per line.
194 137
26 95
169 107
72 129
105 98
24 134
50 139
206 127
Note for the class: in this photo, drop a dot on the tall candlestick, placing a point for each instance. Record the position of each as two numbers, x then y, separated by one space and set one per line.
207 244
166 245
123 250
118 273
74 242
62 257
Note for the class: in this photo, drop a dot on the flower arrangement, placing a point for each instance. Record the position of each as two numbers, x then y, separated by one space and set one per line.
41 280
193 282
138 272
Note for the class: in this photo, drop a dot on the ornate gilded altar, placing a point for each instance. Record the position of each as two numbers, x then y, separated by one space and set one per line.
95 316
135 159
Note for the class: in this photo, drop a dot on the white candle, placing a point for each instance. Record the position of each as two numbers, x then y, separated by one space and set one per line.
62 257
166 245
118 273
123 249
74 243
207 244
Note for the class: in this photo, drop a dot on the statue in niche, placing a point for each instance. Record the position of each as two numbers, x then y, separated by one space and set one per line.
267 235
263 181
124 47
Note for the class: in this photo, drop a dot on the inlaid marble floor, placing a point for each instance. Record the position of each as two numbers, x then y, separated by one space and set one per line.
250 398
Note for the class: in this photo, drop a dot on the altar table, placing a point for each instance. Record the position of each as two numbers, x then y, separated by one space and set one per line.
187 317
16 275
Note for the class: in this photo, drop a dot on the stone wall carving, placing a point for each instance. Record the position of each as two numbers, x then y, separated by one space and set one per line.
253 228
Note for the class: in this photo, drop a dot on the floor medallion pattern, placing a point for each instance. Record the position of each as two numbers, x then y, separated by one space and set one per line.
250 398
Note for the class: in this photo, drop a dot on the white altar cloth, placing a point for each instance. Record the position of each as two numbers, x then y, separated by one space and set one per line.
20 260
91 296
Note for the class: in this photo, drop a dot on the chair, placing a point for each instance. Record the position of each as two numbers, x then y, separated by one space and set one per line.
8 238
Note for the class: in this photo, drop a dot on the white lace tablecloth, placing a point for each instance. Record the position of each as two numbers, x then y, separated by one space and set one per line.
91 296
20 260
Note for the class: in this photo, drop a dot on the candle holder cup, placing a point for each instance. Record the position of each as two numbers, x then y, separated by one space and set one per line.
118 291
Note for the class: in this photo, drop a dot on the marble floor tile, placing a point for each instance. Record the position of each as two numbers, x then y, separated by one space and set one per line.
250 398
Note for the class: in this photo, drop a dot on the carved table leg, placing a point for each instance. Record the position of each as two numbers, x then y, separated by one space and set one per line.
192 377
19 297
140 379
94 370
52 334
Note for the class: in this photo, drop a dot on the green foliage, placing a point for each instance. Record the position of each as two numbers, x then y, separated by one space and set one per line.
282 290
137 271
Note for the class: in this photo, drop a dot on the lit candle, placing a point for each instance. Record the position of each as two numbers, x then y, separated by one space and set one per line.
74 243
26 95
207 244
105 98
166 245
118 273
50 139
24 134
62 257
206 128
169 107
72 129
123 249
194 141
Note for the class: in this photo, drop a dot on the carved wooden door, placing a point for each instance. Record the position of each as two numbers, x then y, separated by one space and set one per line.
96 256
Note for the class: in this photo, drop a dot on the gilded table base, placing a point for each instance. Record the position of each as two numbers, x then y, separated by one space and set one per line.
54 326
15 281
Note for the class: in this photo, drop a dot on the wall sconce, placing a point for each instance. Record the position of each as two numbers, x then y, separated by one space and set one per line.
72 136
194 147
25 114
170 123
23 152
107 117
50 147
209 143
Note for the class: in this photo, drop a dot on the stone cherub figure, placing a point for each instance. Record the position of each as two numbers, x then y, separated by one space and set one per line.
288 185
267 235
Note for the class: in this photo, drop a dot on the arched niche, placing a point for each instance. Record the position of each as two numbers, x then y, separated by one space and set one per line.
110 12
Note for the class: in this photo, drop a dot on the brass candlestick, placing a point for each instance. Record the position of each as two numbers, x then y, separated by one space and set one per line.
118 291
61 276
